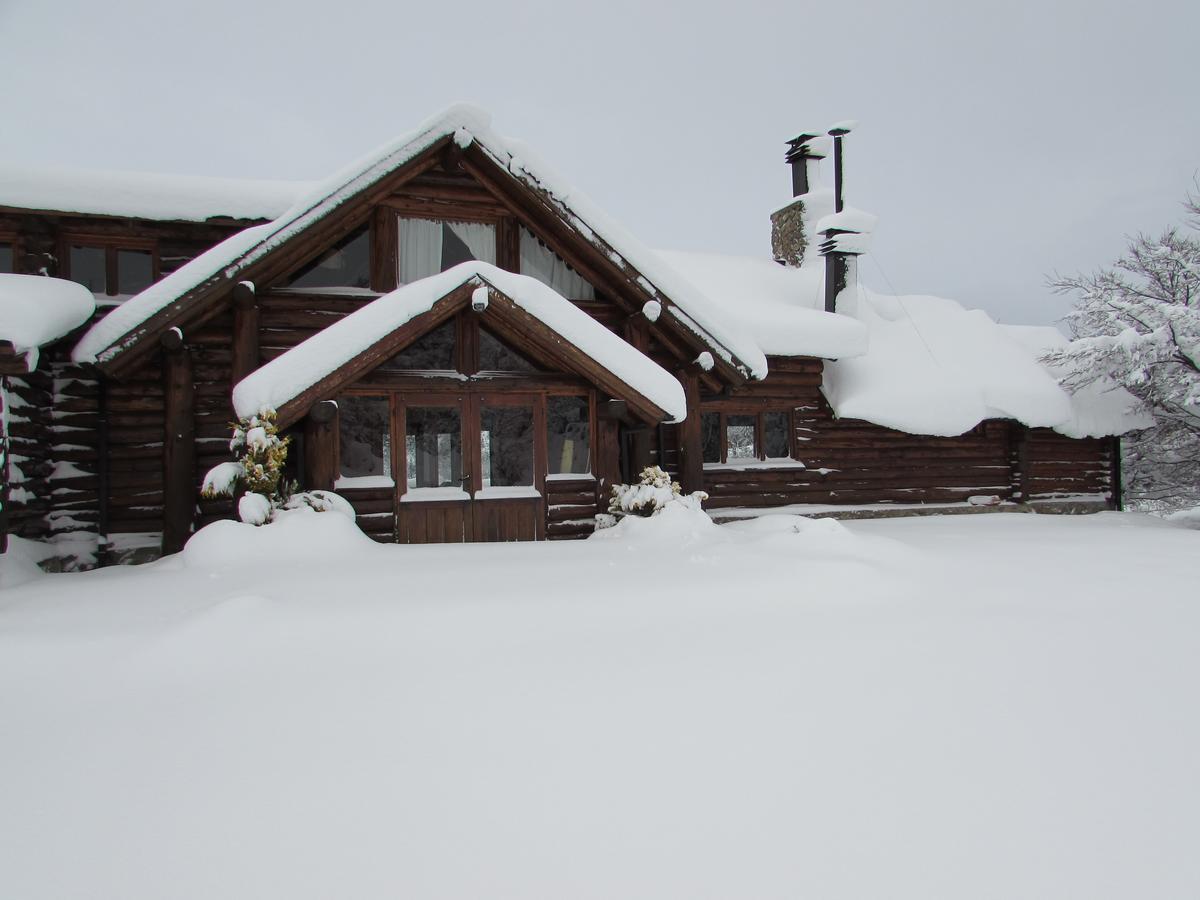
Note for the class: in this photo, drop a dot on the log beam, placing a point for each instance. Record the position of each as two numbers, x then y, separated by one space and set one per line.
691 456
245 331
179 443
320 446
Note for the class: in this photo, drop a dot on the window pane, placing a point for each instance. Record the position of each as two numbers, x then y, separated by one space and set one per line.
6 258
433 351
506 435
568 431
434 447
364 425
775 435
346 265
710 437
463 241
739 437
135 271
497 356
87 267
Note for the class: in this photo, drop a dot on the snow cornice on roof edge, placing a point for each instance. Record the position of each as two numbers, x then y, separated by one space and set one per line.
284 379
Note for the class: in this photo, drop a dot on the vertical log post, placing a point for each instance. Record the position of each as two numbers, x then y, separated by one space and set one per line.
4 468
320 446
245 331
691 456
179 443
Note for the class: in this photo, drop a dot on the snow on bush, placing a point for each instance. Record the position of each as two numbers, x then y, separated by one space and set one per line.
263 454
651 495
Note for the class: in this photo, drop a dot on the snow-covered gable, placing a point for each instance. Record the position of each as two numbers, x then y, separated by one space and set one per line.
287 376
174 198
1098 409
35 310
468 125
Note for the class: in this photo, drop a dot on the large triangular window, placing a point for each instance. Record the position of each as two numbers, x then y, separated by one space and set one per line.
346 264
435 351
497 356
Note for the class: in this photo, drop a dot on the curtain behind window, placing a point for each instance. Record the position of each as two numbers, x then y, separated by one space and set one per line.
540 262
480 239
420 249
422 245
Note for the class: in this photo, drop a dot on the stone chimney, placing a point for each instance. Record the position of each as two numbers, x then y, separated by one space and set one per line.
788 241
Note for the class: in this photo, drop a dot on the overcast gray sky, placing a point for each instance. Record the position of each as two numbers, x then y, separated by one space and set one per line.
997 142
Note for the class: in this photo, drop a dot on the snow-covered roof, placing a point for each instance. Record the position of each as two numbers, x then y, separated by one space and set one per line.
1098 409
139 195
35 310
924 365
288 376
781 307
468 125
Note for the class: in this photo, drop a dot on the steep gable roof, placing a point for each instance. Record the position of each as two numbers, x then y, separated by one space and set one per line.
467 128
341 353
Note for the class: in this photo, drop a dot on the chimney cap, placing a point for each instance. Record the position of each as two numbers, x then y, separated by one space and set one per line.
844 127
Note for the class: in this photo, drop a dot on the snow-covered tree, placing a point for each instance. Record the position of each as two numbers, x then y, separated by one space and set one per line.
653 492
259 470
1138 324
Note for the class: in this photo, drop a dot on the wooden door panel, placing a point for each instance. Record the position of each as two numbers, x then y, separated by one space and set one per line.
433 523
508 520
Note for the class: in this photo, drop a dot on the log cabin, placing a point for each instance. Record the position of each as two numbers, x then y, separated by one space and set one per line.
467 349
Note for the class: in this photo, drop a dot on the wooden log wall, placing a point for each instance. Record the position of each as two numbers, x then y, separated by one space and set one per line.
853 462
571 507
1058 467
30 462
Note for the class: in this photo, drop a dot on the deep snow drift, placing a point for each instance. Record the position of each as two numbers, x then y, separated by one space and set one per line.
946 707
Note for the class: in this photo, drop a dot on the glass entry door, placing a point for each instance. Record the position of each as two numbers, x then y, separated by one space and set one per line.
434 485
507 503
474 468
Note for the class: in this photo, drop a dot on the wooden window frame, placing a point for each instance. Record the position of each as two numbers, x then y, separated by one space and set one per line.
759 435
111 245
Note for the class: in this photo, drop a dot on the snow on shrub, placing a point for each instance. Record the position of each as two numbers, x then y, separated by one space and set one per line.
259 472
651 495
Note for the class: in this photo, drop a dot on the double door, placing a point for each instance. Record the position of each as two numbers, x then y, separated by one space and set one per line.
472 467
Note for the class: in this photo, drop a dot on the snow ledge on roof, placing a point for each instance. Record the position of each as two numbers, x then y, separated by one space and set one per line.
286 377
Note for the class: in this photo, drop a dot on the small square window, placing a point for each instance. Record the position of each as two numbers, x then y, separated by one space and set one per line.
739 437
364 425
710 437
568 435
135 271
88 267
775 435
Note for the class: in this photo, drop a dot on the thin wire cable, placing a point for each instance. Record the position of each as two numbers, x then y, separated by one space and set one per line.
904 309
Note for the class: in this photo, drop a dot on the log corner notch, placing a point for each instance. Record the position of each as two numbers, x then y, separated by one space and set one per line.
245 331
179 442
320 446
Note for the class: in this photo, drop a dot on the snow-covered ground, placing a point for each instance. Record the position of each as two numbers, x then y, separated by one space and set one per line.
943 707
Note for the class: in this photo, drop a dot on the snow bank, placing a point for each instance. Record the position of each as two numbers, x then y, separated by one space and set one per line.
35 310
1099 409
935 368
855 710
289 375
140 195
19 563
295 536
